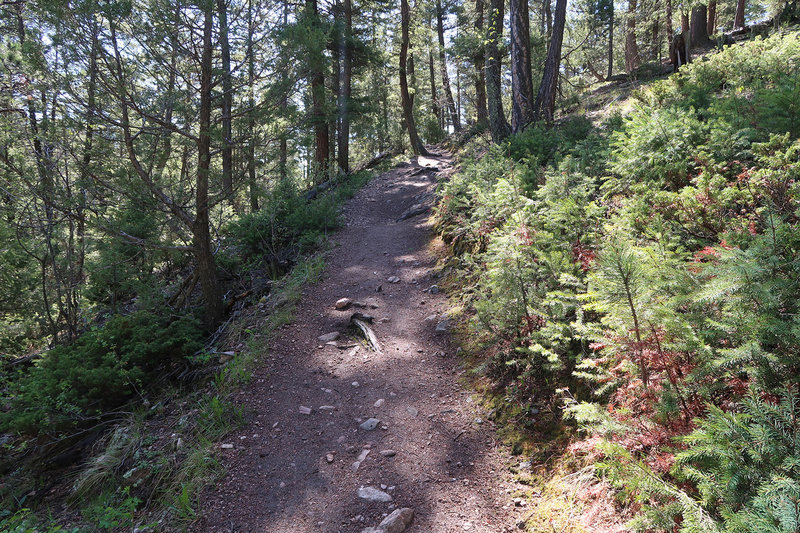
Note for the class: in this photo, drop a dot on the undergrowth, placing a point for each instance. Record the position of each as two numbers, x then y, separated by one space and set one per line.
639 276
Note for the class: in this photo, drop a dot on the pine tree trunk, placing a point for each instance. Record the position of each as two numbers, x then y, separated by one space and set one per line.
699 26
498 124
448 93
738 21
206 268
227 99
668 21
521 78
632 60
684 21
251 114
321 135
345 51
712 17
611 41
434 96
546 99
405 97
481 111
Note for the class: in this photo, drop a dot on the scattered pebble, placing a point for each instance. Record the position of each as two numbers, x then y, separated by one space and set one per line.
393 279
372 494
380 402
343 303
388 453
226 446
329 337
370 424
304 410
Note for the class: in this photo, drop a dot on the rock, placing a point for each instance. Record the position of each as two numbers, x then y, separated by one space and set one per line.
371 494
343 303
355 465
179 443
434 289
304 410
431 318
355 384
224 357
443 326
379 403
329 337
385 319
412 411
329 457
393 279
370 424
363 455
388 453
397 521
226 446
326 407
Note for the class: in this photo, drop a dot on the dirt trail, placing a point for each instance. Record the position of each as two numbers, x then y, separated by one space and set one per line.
448 466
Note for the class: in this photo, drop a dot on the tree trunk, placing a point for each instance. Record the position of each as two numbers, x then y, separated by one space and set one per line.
611 41
321 136
738 21
521 78
345 52
481 111
631 48
668 21
206 268
699 26
548 18
227 99
712 17
546 99
405 97
251 114
498 124
434 96
448 93
684 21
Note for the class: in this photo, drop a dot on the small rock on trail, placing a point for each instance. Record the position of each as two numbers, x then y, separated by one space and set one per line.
371 494
370 424
396 522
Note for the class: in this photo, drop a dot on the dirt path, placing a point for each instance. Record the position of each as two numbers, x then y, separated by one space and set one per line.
291 472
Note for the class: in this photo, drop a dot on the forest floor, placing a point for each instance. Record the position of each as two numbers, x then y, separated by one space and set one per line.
433 450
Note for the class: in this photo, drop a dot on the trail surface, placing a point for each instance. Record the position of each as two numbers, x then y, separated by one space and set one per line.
433 450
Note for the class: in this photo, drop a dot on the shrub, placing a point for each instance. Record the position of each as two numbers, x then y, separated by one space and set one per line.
102 369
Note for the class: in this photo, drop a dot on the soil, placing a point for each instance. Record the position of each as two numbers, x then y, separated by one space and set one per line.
294 472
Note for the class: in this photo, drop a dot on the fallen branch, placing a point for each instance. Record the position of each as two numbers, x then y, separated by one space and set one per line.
368 334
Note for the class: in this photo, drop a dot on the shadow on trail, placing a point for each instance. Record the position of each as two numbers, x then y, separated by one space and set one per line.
280 477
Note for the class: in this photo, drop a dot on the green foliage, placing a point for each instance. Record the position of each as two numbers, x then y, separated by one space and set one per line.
112 510
103 368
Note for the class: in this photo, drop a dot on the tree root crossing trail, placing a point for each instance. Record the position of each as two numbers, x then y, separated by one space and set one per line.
338 434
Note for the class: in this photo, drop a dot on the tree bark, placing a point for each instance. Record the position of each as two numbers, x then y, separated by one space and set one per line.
738 20
251 114
712 17
632 60
684 21
611 41
448 93
546 99
498 124
227 102
206 267
481 110
405 97
699 26
668 22
522 101
321 136
345 52
437 111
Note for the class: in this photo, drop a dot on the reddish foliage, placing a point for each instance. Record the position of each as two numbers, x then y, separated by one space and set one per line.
583 255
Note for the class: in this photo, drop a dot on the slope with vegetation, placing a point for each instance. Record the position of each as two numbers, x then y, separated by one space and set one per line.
634 281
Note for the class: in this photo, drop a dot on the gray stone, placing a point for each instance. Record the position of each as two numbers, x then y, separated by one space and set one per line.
380 402
371 494
226 446
388 453
304 410
434 289
412 411
443 326
329 337
397 521
343 303
393 279
370 424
